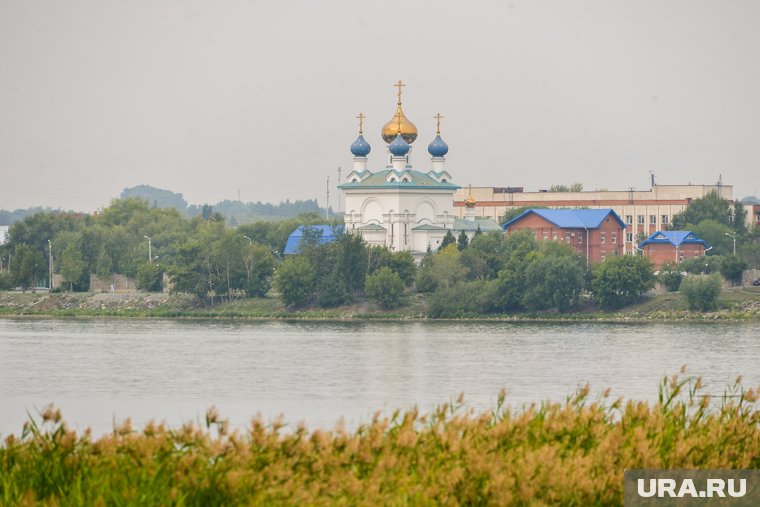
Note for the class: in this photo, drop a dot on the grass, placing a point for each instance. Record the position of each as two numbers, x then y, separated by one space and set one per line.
734 304
571 453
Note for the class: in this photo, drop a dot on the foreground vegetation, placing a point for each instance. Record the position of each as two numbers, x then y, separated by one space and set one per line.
571 453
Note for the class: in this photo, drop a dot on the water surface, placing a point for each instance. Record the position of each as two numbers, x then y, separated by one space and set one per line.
103 370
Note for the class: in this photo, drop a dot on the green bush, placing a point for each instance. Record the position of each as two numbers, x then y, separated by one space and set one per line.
701 292
384 287
732 268
670 276
149 277
620 281
296 280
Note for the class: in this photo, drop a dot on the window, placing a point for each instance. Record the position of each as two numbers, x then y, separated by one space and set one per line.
554 236
629 237
653 219
640 219
614 238
602 239
546 236
603 257
629 219
629 252
664 219
580 239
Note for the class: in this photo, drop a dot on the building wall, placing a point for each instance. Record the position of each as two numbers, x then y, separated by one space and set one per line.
753 215
644 212
660 253
399 211
587 243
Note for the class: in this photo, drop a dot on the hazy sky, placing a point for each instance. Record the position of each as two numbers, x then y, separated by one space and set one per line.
206 98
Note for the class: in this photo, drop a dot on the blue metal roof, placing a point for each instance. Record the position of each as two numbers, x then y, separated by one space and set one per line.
571 218
327 234
675 238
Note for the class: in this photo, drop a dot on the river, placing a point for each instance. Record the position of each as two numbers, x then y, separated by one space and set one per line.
103 370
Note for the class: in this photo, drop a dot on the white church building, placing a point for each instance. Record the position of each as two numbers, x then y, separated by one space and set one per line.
400 206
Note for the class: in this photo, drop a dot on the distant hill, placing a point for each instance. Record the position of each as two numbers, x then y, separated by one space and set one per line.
235 212
156 197
9 217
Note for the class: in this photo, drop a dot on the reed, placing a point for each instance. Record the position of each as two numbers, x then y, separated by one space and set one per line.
569 453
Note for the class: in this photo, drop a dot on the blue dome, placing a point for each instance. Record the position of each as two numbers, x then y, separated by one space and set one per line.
438 148
360 147
399 146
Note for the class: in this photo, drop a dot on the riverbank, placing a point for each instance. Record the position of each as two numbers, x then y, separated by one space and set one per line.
735 304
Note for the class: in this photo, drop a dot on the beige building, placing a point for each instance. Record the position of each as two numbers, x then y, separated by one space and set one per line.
643 211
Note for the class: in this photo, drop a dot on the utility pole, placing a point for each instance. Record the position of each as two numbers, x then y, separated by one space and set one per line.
50 265
327 200
734 238
150 250
339 170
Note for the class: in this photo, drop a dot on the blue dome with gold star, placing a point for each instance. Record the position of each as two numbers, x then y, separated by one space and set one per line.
438 148
399 146
360 147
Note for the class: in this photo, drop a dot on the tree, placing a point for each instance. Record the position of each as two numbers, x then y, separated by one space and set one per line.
259 268
448 239
189 273
442 270
701 292
149 277
705 264
296 280
621 280
384 287
72 265
732 268
715 234
670 276
27 266
463 241
553 281
709 207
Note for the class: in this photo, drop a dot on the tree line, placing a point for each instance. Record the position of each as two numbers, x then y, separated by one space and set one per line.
204 256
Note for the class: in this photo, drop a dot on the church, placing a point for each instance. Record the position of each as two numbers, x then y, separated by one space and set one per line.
399 206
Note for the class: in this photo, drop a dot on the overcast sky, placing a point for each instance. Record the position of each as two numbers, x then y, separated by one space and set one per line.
208 98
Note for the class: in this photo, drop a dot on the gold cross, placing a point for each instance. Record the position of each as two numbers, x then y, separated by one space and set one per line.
438 123
399 85
361 122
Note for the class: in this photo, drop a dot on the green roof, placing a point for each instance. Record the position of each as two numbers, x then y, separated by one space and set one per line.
485 224
417 180
371 227
428 227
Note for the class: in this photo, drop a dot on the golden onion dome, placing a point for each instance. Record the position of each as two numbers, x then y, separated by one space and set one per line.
399 124
470 202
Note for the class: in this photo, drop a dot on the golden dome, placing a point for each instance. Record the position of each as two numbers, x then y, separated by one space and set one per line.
470 202
399 124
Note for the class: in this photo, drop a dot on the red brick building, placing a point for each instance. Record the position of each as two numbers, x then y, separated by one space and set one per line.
594 233
673 246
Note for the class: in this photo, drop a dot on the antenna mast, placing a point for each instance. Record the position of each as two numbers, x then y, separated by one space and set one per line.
327 200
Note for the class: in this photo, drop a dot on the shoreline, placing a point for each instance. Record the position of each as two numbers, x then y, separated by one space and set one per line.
663 308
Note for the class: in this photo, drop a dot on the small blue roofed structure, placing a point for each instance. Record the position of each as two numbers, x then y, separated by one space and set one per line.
323 233
675 238
571 218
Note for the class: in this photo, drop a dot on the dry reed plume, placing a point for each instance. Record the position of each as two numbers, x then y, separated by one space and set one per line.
571 453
